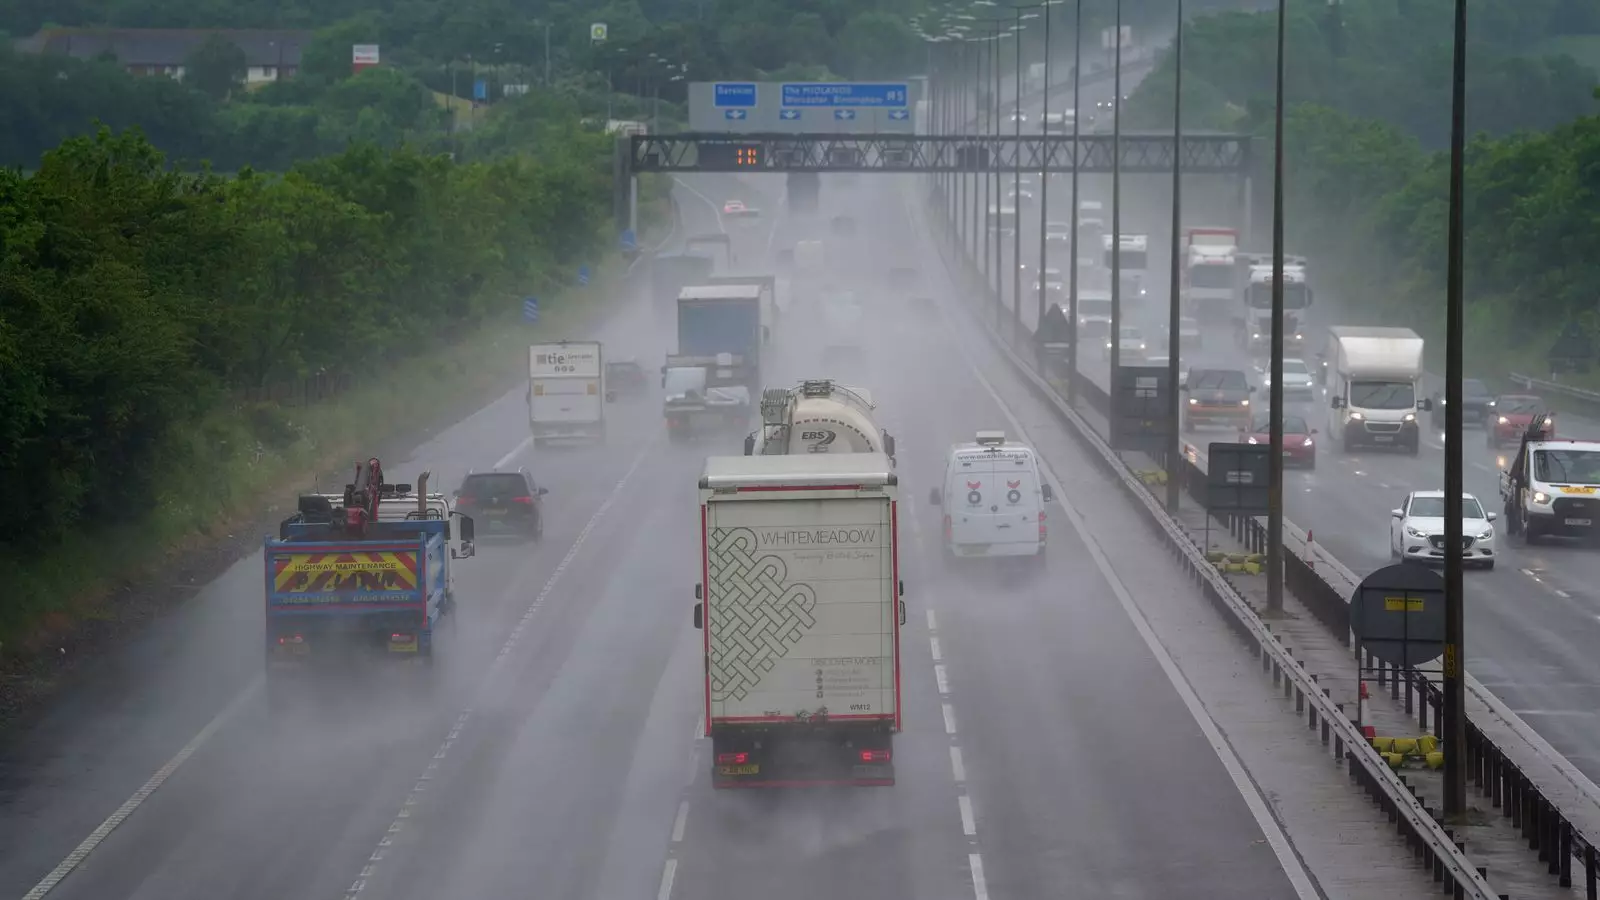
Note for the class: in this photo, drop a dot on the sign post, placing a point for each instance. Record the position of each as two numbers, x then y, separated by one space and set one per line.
597 33
363 56
1397 615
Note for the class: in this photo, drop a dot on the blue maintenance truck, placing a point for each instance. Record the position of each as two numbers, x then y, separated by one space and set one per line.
723 325
344 585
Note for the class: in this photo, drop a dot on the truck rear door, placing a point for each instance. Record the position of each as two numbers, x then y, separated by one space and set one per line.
994 502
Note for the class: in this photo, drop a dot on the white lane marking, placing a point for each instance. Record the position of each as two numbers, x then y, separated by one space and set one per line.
504 461
82 851
943 681
1293 868
969 826
980 887
699 728
938 652
680 822
933 622
715 209
958 766
1562 594
496 668
949 719
669 873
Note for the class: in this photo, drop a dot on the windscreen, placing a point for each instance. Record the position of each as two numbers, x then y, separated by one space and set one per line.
1094 308
1211 278
1519 405
1567 466
1382 395
499 485
1472 387
1291 425
1131 259
1218 380
1295 296
1433 508
681 381
706 330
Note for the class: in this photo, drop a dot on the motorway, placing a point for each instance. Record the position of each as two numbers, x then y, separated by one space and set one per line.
558 752
1532 623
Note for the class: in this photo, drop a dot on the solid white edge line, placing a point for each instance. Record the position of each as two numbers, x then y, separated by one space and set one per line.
679 823
96 837
504 461
980 887
969 825
1293 867
669 873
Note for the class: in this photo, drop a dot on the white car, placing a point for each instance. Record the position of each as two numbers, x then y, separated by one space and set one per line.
1133 345
1297 380
1018 115
1416 530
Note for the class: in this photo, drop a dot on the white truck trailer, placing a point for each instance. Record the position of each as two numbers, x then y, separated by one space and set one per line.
1207 286
1373 375
1253 325
801 615
818 416
566 391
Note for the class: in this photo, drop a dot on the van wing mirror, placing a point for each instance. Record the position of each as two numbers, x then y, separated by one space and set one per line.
1049 492
749 445
902 612
468 529
699 616
888 444
1425 405
1336 402
934 499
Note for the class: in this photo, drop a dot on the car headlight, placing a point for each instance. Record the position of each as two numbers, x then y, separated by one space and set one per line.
1486 534
1255 337
1108 345
1547 422
1540 498
1244 402
1193 401
1251 440
1306 442
1356 417
1491 402
1141 347
1504 421
1415 532
1299 337
1411 417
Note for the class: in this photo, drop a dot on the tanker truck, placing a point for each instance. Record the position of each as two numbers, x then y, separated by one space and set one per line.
818 416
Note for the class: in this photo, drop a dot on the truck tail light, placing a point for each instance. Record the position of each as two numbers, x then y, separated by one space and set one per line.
947 528
875 756
291 639
1043 529
732 759
538 390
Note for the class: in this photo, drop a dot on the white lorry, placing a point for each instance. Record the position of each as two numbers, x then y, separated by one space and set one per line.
1372 386
818 416
566 391
801 615
1253 325
1135 263
1207 286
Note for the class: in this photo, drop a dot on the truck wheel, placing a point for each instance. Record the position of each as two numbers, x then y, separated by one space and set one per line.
1415 448
1531 532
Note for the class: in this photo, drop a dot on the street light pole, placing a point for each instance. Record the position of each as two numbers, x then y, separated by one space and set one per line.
1072 264
999 279
1174 331
1275 389
1455 662
1112 405
1016 193
1044 191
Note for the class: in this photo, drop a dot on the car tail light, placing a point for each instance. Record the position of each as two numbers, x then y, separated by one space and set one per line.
526 501
538 390
463 501
732 759
401 638
947 528
875 756
1043 529
291 639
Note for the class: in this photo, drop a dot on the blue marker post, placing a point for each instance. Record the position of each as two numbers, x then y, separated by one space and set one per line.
630 241
530 310
583 275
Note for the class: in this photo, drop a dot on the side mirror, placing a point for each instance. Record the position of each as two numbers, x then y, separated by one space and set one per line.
468 530
467 551
611 396
543 491
888 444
934 498
1336 402
1313 431
1252 389
749 445
699 616
400 488
1425 405
1048 492
902 611
1490 517
1396 513
699 591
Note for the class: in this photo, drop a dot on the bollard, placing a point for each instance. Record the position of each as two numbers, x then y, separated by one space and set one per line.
1367 731
1311 551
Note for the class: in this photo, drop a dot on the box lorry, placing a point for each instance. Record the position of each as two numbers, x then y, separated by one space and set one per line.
1253 323
1372 387
723 327
1207 286
800 611
566 391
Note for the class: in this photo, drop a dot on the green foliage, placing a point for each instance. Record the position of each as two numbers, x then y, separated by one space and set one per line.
1380 61
215 67
139 301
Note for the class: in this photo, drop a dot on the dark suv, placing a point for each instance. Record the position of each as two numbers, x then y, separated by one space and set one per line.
1476 403
503 502
1216 397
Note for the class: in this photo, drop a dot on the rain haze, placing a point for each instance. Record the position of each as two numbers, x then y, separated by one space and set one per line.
756 533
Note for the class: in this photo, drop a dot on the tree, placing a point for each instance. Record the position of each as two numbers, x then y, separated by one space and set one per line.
216 67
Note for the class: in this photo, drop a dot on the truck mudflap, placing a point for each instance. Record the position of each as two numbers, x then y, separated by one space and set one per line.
800 755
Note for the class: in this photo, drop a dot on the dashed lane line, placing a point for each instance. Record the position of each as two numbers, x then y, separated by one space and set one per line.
949 719
969 825
496 670
933 645
958 766
933 621
680 822
942 679
669 874
980 887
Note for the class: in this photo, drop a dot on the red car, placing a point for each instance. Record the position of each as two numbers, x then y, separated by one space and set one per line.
1511 414
1298 447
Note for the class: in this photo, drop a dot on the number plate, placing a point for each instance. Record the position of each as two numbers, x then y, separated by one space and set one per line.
739 770
973 549
1583 522
1383 438
301 649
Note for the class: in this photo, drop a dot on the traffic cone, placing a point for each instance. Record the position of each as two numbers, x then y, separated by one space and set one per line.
1311 551
1367 731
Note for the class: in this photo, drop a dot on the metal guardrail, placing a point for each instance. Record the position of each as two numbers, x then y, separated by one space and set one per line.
1591 399
1435 846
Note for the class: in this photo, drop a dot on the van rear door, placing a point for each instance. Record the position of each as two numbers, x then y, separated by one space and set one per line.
993 503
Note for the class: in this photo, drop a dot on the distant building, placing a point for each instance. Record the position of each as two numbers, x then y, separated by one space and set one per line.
269 54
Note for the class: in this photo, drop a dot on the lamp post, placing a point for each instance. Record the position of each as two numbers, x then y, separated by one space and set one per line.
1174 332
1455 663
1077 156
1275 388
1044 190
1112 404
1016 182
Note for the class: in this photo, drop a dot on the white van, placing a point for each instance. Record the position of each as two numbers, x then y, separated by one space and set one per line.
993 499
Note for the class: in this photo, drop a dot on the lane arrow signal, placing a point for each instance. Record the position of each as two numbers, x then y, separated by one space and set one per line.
899 114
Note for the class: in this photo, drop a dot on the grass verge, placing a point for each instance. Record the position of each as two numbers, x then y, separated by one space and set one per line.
67 603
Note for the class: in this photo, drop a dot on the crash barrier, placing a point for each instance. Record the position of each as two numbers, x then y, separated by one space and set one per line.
1589 400
1434 846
